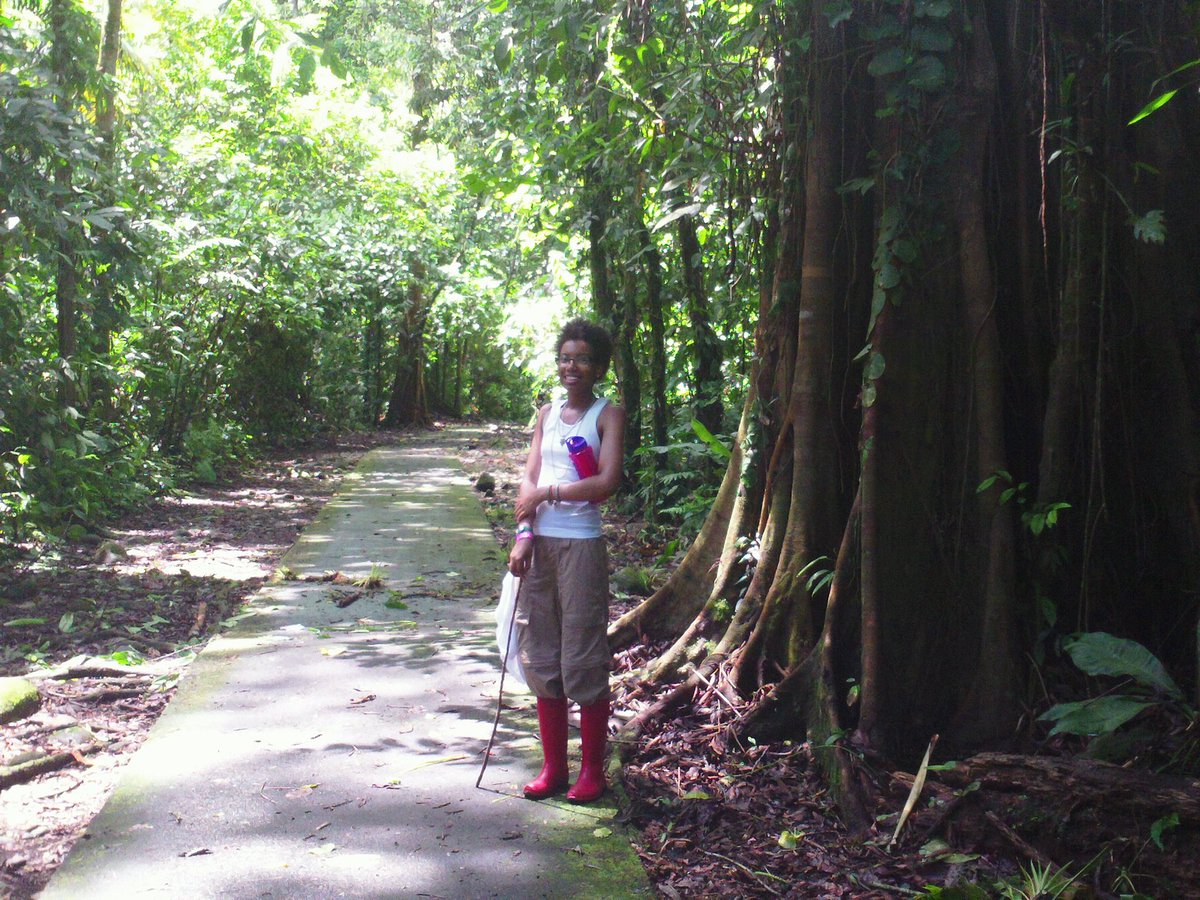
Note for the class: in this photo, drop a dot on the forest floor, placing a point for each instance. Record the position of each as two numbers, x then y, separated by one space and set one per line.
117 620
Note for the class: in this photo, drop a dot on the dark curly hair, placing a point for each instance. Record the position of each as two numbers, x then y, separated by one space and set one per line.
595 335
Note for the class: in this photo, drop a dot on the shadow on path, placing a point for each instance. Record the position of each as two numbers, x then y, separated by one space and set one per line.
318 751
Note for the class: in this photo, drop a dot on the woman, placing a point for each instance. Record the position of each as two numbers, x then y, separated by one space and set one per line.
562 608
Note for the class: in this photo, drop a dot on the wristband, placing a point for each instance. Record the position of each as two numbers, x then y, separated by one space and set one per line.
525 535
523 528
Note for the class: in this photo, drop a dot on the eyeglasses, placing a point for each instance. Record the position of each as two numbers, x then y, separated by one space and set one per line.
581 360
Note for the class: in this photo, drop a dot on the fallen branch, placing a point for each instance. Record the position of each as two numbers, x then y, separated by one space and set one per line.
669 702
27 771
94 667
1103 785
756 875
1030 851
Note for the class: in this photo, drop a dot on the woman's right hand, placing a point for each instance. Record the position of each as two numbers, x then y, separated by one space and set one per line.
521 557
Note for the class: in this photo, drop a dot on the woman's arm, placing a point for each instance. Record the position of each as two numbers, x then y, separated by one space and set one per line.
530 496
605 482
521 555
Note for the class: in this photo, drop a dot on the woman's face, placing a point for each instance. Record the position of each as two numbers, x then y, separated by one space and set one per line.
577 367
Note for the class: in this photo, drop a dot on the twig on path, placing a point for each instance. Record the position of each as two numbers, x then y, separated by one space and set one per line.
757 876
435 762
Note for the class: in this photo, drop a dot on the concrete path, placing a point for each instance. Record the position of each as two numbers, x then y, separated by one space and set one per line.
318 751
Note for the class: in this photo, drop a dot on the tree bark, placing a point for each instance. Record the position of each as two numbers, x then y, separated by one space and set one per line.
706 348
408 403
66 288
992 706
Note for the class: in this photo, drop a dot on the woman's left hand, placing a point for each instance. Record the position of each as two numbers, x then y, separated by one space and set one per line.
520 558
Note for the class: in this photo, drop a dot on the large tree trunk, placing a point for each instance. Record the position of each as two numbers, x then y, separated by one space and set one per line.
408 403
66 288
652 266
706 346
932 594
992 706
106 313
808 520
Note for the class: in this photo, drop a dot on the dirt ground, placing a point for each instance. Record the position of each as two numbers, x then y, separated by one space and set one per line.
115 620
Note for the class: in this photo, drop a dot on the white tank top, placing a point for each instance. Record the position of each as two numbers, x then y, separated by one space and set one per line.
567 518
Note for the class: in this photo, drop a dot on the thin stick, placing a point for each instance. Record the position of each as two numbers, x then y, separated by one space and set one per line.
487 754
715 689
1020 843
756 875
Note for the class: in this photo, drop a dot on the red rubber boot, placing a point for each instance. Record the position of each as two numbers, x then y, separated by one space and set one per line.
552 727
593 731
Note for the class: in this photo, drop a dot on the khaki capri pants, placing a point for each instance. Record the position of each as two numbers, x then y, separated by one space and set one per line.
562 614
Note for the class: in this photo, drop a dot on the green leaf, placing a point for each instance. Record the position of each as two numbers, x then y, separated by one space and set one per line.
1100 653
248 33
888 277
838 12
875 366
1166 823
889 62
788 840
697 794
1150 228
503 53
689 210
868 395
878 301
1091 717
308 66
1157 103
857 185
332 60
905 250
927 74
16 623
497 6
66 623
707 436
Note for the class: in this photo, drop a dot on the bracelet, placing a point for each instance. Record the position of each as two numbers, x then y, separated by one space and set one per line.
524 527
525 535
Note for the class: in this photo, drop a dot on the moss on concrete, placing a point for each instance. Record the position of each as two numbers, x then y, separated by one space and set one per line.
18 699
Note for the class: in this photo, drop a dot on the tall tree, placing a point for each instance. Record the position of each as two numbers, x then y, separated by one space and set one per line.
898 557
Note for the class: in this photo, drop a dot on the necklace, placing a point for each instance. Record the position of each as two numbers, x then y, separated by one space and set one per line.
577 427
565 472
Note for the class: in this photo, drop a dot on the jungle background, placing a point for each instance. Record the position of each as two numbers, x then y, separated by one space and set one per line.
908 319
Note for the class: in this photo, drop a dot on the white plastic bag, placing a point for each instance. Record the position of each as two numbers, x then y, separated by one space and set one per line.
506 628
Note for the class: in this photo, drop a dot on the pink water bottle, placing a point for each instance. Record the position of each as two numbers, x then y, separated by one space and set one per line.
582 457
